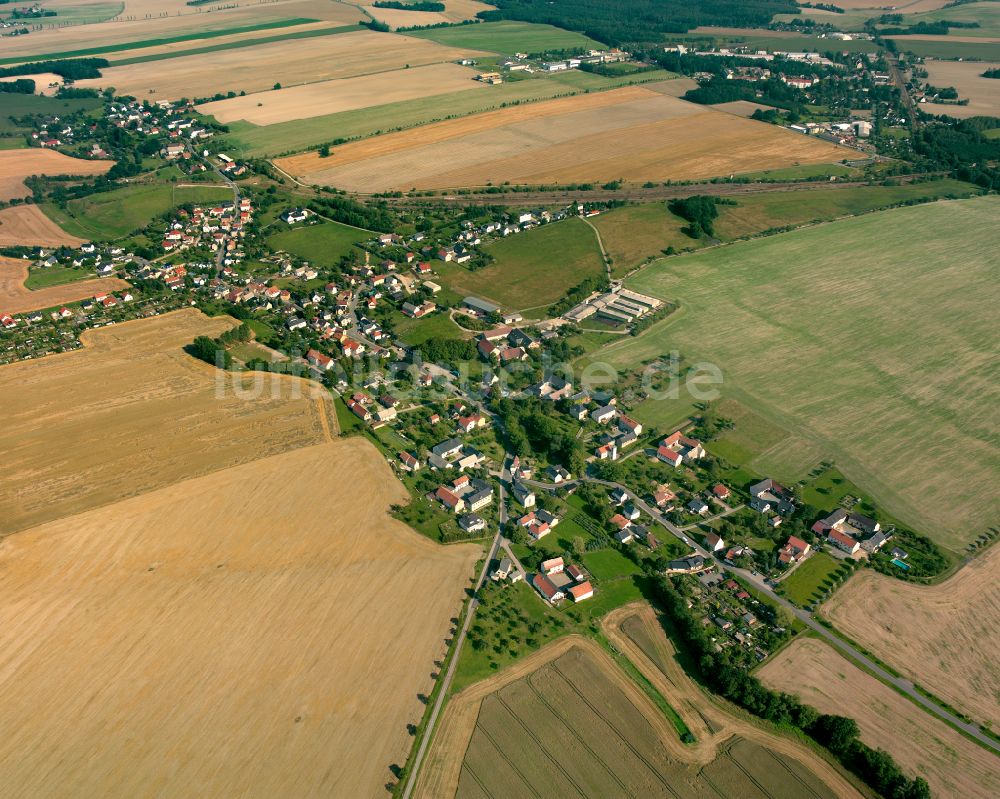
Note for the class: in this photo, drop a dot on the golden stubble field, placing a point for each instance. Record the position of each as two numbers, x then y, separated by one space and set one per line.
454 11
15 298
16 165
945 637
966 76
27 225
346 94
475 732
262 631
633 133
259 67
951 764
131 412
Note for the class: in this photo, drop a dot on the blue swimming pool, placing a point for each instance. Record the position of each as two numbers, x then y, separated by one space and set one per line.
898 562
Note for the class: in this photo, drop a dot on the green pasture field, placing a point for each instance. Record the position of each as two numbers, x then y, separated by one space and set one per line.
302 134
532 269
420 331
867 337
803 171
986 13
804 584
609 564
15 106
113 214
55 276
760 212
637 232
206 33
324 244
508 37
945 48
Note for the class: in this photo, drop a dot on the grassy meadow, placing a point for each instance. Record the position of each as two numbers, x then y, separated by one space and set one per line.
324 244
508 37
868 337
637 232
532 269
113 214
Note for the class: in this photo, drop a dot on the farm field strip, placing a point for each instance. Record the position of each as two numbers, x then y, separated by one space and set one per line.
16 165
966 76
15 298
345 94
102 409
122 35
651 136
26 225
454 11
260 645
944 637
259 67
800 299
819 676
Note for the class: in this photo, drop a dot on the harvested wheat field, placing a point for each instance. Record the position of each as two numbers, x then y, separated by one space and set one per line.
568 716
454 11
225 636
15 298
951 764
346 94
944 637
132 412
47 83
256 68
26 225
188 23
966 76
16 165
632 133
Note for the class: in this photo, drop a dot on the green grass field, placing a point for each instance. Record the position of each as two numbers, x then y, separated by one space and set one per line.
637 232
301 134
419 331
774 209
209 32
803 171
508 37
986 13
804 585
15 106
868 337
113 214
324 244
532 269
946 48
55 276
609 564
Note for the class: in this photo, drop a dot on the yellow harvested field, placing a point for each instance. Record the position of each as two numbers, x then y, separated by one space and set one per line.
633 133
922 745
454 11
16 165
264 631
944 637
256 68
742 108
346 94
47 83
131 412
966 76
26 225
181 20
15 298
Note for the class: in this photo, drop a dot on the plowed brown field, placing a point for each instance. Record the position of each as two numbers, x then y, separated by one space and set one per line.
633 133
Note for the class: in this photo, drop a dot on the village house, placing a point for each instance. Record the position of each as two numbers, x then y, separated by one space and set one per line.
581 591
676 447
409 461
768 495
793 550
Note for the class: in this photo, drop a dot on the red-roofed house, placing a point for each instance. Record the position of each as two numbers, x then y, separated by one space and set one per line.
669 457
410 463
547 588
553 565
794 549
319 360
581 591
721 491
714 541
449 499
842 541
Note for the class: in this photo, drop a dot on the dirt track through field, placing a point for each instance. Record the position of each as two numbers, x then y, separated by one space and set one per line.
26 225
260 67
263 631
16 299
945 637
952 765
347 94
131 412
16 165
633 133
